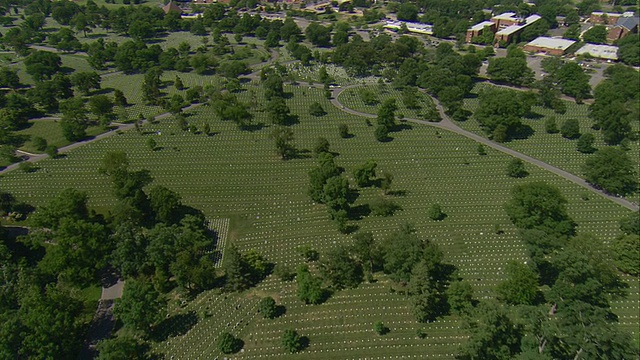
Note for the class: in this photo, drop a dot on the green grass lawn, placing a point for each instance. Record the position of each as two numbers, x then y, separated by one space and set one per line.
50 130
426 110
237 175
553 148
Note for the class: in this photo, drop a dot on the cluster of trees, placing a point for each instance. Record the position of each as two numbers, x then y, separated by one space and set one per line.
567 77
415 265
53 92
615 104
41 311
500 112
625 246
612 170
450 78
327 186
571 318
361 57
149 237
274 94
629 50
512 69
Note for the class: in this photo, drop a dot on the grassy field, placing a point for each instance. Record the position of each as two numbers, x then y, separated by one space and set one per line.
237 175
553 148
426 109
49 130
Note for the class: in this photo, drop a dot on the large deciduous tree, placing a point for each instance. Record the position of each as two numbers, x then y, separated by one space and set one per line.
402 250
151 85
365 173
612 170
596 35
283 136
42 65
318 35
512 70
494 335
309 287
500 112
521 285
74 121
141 306
341 269
85 81
541 206
78 253
166 204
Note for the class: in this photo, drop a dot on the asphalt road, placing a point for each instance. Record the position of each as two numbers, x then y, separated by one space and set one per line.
445 124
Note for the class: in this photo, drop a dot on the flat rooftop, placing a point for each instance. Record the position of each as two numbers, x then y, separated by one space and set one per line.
624 14
411 26
551 43
531 19
599 51
482 25
506 16
514 28
510 30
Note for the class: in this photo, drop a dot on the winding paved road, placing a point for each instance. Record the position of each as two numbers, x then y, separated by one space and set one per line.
447 124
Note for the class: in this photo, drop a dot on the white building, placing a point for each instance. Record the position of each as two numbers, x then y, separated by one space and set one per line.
606 52
411 26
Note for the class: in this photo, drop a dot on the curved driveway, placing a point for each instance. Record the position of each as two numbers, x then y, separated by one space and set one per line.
447 124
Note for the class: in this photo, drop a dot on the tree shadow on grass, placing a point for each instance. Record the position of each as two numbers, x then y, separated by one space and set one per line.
359 211
352 195
103 91
523 132
280 311
66 70
96 36
175 325
17 140
304 342
350 229
253 127
402 126
300 154
532 115
397 193
292 120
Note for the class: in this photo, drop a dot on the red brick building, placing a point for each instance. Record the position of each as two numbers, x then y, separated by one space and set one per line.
506 27
624 25
479 29
599 17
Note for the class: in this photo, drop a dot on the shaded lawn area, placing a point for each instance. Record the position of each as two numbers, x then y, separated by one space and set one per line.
50 130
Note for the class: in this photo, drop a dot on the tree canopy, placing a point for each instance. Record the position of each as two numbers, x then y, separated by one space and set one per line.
538 205
612 170
500 112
